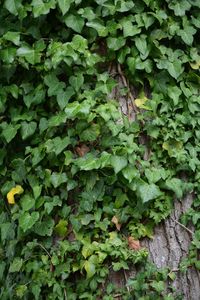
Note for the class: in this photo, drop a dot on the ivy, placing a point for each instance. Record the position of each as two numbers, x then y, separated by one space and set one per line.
71 160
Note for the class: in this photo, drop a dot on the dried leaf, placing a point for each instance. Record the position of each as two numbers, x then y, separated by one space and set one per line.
133 244
116 222
82 150
17 190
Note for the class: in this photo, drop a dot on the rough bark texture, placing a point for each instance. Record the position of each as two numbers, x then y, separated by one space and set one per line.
170 245
171 240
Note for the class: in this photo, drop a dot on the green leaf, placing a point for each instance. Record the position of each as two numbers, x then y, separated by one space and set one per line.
115 43
90 268
129 29
58 178
9 131
8 55
31 55
57 145
91 133
87 250
175 68
147 192
28 129
76 81
27 202
180 7
42 8
74 22
158 286
16 265
141 45
21 290
13 37
130 172
88 162
61 228
27 220
12 6
118 163
100 28
175 185
174 93
64 5
44 228
187 34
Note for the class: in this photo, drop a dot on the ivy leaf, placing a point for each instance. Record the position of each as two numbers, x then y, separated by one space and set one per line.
28 129
9 131
21 290
44 228
76 81
74 22
118 163
64 5
180 7
130 172
17 190
175 68
42 8
174 93
13 37
175 185
27 220
147 192
8 55
129 29
16 265
61 228
90 268
88 162
58 178
100 28
187 34
115 43
27 202
12 6
91 133
141 45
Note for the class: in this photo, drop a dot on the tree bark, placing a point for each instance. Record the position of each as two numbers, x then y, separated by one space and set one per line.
170 244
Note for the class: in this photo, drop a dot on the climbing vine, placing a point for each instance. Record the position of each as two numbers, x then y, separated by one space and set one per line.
79 188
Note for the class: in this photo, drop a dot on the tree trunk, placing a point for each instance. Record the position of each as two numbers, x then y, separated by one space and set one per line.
170 245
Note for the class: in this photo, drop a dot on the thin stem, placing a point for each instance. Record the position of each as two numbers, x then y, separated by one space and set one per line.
183 226
47 252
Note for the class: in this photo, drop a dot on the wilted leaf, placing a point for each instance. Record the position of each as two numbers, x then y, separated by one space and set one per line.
116 222
133 244
82 150
17 190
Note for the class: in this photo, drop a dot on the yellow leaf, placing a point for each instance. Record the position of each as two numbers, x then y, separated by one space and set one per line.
17 190
140 102
195 65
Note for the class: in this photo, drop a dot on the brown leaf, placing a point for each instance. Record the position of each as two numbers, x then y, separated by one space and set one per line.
82 150
133 244
116 222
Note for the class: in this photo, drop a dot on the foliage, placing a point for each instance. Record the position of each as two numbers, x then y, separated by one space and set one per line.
78 166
